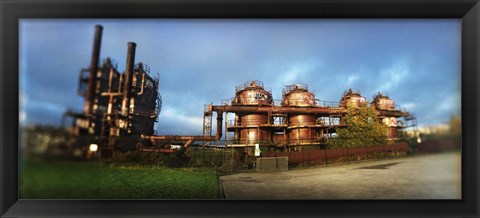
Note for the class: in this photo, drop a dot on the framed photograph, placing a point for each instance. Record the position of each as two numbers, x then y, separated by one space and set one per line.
164 77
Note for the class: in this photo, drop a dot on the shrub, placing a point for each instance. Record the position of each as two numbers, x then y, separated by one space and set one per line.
137 158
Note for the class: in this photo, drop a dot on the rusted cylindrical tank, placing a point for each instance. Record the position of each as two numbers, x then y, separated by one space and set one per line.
297 95
254 136
392 127
383 102
298 131
352 98
253 93
252 133
253 119
392 133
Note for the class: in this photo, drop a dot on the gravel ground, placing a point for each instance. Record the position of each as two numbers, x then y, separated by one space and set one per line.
434 176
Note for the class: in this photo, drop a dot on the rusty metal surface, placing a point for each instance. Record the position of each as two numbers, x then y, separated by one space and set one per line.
301 135
392 132
301 120
218 135
392 113
319 110
252 93
352 98
254 135
298 95
278 109
383 102
298 131
253 119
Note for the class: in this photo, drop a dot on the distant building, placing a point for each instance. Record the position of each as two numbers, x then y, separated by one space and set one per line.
430 130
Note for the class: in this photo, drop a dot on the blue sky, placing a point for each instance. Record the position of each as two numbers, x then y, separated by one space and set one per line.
417 62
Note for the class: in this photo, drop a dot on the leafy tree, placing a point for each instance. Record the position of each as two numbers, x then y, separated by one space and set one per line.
363 128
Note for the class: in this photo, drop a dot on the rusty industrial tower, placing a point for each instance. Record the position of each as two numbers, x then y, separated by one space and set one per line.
121 109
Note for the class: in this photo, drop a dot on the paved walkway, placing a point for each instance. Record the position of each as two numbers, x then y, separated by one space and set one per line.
434 176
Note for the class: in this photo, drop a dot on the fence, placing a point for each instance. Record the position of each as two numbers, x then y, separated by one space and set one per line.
439 145
199 156
241 160
335 155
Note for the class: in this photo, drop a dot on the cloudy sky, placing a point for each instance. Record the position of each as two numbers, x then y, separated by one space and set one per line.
416 62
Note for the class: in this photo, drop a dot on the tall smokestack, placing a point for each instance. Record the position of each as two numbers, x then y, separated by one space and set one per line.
93 69
127 85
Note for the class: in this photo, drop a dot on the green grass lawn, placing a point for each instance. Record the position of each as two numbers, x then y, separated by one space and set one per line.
95 180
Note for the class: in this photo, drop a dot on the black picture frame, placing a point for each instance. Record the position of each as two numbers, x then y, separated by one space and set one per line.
13 10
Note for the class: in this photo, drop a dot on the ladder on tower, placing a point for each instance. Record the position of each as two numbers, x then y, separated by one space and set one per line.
207 125
207 129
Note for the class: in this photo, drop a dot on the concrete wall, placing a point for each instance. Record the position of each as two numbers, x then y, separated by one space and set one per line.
269 164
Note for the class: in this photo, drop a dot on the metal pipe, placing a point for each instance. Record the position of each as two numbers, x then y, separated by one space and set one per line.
226 130
90 95
141 86
110 100
188 143
297 110
120 81
278 109
260 109
179 137
127 85
218 136
189 139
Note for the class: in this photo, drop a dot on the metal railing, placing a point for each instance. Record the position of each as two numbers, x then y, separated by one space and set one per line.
145 68
292 87
324 103
247 84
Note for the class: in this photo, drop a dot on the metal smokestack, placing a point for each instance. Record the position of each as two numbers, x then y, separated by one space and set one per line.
93 70
127 85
